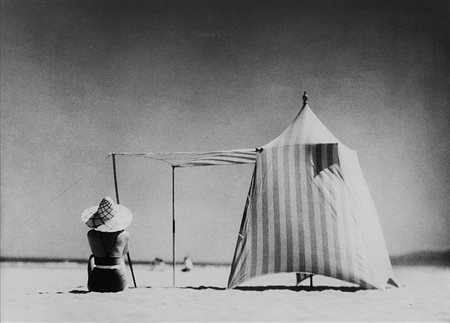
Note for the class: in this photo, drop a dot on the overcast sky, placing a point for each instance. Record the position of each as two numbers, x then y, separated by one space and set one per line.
80 79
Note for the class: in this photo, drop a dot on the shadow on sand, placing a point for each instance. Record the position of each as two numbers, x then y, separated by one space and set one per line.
241 288
280 287
73 291
77 291
244 288
347 289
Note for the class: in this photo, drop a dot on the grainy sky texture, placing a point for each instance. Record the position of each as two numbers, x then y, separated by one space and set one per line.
80 79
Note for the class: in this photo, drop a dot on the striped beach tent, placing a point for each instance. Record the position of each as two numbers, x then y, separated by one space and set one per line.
309 211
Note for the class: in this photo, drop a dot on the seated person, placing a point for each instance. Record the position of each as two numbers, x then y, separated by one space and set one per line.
187 264
109 243
158 265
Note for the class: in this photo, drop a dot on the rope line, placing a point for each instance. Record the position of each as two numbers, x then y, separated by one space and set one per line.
88 172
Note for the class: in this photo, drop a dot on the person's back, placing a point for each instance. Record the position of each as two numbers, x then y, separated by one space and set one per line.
108 242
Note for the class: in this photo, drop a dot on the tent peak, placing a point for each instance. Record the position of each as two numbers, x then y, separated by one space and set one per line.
305 98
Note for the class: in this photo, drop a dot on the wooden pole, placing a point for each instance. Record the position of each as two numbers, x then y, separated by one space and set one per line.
117 200
173 226
115 177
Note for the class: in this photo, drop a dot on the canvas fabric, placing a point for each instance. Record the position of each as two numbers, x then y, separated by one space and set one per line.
309 211
195 159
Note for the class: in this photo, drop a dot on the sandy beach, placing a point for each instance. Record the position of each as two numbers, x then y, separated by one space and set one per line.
55 292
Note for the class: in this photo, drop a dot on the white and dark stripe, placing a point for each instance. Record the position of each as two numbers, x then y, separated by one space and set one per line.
294 219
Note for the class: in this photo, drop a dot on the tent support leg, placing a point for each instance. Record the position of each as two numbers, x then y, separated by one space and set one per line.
173 226
117 200
311 281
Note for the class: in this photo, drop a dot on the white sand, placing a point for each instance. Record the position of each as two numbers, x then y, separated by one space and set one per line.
55 292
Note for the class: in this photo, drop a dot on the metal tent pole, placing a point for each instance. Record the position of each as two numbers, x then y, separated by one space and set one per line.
117 200
173 225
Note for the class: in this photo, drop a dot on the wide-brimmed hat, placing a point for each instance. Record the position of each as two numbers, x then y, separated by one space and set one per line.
107 216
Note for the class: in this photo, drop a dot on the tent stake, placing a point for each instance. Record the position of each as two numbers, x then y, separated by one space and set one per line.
117 200
173 226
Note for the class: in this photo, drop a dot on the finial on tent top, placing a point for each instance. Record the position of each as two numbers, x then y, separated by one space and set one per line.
305 98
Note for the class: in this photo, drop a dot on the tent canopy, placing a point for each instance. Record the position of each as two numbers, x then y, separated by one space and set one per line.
194 159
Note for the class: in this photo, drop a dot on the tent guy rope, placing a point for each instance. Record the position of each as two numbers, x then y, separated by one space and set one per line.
72 184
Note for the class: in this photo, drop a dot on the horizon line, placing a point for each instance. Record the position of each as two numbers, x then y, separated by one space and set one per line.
426 257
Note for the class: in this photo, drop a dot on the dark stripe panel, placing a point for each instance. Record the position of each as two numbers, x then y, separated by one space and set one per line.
322 149
337 219
300 215
276 211
200 163
226 158
219 160
311 215
330 153
264 215
349 246
317 157
237 155
288 178
254 222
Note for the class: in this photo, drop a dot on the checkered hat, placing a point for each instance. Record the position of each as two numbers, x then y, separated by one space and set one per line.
107 217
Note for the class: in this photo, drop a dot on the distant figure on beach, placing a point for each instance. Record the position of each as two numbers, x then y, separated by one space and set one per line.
109 243
188 265
158 265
